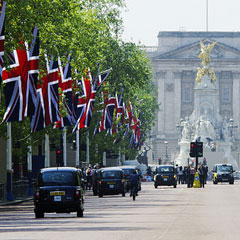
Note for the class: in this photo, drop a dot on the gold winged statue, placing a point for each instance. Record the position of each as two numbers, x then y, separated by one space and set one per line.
205 51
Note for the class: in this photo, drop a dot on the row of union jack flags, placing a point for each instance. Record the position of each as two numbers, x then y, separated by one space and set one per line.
117 114
27 95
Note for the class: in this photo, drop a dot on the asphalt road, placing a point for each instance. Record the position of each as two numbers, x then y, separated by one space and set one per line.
163 213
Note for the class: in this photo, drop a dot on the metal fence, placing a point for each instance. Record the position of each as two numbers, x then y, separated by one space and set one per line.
20 189
2 193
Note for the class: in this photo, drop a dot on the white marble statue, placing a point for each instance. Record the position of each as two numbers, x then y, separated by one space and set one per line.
186 132
204 129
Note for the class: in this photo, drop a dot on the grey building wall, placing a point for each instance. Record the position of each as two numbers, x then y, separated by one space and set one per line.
175 63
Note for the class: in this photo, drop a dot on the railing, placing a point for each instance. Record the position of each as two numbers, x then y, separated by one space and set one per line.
2 187
20 189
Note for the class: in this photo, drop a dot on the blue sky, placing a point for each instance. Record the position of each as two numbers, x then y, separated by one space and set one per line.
143 19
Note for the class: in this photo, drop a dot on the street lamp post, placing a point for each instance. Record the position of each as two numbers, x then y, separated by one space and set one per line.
231 127
166 147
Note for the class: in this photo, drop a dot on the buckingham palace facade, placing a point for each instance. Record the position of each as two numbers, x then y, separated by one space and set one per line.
175 62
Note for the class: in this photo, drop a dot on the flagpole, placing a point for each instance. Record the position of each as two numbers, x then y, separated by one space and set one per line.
77 148
119 158
64 147
47 153
87 150
104 159
9 163
29 165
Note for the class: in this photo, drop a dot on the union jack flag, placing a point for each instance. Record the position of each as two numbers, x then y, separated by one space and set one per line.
87 99
66 85
118 114
129 118
2 36
108 115
47 110
20 82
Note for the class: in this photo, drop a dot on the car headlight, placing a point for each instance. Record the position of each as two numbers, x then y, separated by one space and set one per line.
175 176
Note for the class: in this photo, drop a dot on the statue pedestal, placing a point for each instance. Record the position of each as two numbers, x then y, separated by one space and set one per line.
182 159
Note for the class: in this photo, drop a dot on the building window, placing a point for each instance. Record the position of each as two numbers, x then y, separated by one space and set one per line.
187 95
226 97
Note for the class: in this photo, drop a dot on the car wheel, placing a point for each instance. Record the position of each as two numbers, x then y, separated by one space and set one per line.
39 214
155 186
80 213
231 182
100 195
123 194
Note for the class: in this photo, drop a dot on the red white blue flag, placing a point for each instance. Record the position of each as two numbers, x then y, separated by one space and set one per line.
20 81
86 99
66 87
47 110
2 36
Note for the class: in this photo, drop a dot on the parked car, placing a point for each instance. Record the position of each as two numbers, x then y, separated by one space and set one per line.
165 176
237 175
223 173
110 182
58 190
127 171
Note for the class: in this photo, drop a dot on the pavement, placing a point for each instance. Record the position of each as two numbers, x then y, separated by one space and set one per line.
15 202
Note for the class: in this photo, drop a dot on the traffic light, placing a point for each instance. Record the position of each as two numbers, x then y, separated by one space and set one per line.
59 157
196 149
192 149
199 149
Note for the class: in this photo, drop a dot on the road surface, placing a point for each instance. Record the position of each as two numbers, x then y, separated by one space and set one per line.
164 213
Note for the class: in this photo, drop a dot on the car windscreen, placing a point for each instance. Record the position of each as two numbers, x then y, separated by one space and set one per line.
58 178
127 172
165 169
112 175
224 168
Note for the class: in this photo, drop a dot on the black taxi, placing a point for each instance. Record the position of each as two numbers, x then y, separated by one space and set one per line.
165 176
111 181
223 173
58 190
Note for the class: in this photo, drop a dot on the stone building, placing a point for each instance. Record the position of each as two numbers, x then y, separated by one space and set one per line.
175 62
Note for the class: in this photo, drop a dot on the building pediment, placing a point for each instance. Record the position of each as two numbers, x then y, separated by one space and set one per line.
191 51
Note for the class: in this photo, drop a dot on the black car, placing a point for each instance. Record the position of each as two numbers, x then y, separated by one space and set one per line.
165 176
223 173
127 171
110 182
58 190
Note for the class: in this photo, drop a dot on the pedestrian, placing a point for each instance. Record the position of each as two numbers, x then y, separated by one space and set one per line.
191 176
188 176
180 175
205 171
201 175
89 173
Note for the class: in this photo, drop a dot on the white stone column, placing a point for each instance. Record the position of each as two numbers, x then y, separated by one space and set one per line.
236 100
161 97
178 97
